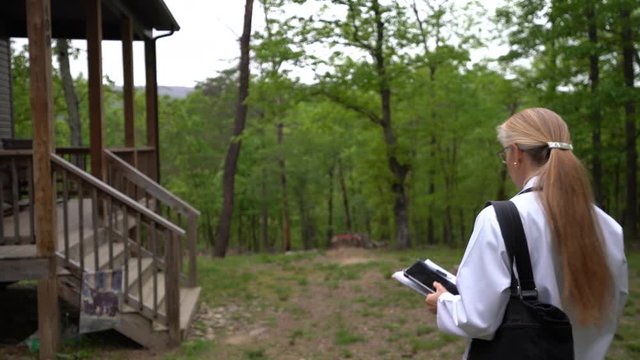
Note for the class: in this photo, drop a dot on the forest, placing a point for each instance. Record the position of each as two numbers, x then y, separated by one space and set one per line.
373 117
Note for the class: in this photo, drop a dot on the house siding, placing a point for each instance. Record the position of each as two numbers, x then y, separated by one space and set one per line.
6 126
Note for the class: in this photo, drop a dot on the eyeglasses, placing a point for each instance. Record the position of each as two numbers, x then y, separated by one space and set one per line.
502 154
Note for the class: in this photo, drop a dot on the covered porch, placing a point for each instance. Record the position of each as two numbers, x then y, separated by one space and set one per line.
71 210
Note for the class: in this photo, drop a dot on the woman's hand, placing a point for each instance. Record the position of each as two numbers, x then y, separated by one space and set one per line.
432 299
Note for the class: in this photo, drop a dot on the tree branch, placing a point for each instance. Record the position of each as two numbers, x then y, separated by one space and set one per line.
353 107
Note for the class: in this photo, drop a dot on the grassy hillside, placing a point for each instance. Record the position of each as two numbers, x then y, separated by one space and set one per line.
335 305
339 304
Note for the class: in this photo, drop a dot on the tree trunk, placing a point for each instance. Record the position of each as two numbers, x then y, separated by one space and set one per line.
345 198
264 222
463 232
618 189
628 51
398 170
240 232
501 194
330 208
596 113
448 163
286 227
231 160
306 223
255 243
69 90
208 229
431 236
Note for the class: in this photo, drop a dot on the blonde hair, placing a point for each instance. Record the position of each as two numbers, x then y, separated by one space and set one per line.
567 198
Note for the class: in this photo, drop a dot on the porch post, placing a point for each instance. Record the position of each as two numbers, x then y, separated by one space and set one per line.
128 90
96 104
152 105
39 32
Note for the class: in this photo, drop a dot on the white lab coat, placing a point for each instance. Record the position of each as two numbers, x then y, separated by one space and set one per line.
483 278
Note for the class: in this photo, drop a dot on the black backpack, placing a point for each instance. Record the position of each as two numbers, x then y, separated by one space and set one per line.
529 329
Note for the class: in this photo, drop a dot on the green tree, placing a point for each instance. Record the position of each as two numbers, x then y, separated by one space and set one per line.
224 222
377 31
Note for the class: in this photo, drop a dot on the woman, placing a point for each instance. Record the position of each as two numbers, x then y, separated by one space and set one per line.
576 250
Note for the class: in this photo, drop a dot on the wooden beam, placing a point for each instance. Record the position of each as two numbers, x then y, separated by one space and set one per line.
72 30
39 31
129 87
152 104
119 8
49 314
172 288
96 105
24 269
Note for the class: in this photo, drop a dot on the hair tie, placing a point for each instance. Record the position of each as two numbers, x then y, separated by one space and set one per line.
559 145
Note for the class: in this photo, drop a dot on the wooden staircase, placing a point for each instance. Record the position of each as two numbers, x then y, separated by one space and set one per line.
102 227
145 283
108 230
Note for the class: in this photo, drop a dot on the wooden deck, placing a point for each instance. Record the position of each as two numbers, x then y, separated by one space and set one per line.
20 262
76 225
13 252
18 254
23 222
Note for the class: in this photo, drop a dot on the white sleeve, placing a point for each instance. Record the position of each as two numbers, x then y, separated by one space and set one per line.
483 282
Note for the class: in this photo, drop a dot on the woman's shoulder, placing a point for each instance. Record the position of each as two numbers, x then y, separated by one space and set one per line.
611 229
606 220
529 206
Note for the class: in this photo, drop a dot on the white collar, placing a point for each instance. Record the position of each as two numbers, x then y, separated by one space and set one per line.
529 184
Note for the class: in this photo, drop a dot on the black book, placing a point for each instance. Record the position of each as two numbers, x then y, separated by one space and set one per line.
421 275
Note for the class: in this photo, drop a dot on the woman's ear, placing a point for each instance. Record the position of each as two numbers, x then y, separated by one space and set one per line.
519 153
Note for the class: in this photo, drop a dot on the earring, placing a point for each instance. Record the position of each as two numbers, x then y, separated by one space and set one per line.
515 164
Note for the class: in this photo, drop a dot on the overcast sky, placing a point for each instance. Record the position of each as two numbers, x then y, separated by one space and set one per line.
205 44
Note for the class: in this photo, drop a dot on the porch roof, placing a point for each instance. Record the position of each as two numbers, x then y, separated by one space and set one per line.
68 18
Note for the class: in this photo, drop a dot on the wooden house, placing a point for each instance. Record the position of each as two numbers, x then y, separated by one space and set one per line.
70 211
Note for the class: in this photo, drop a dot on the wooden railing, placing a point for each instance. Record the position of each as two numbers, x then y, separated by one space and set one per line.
124 233
132 182
142 157
16 196
77 155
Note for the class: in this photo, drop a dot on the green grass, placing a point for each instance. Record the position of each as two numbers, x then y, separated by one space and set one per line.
192 349
347 337
258 354
291 277
313 306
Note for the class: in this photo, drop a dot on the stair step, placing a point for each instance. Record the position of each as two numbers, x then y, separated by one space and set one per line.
103 256
74 236
188 305
147 293
74 243
87 225
134 277
189 298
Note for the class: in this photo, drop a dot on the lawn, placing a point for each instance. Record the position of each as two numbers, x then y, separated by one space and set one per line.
323 305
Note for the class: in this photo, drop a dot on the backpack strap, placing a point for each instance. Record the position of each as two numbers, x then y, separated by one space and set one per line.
516 244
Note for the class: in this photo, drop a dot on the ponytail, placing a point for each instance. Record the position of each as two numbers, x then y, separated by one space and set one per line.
567 199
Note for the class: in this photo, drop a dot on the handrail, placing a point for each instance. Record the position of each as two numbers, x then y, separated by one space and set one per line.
125 150
151 236
151 186
9 153
116 194
162 196
101 228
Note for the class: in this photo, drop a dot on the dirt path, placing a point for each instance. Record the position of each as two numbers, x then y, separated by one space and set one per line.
339 304
339 313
